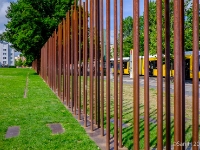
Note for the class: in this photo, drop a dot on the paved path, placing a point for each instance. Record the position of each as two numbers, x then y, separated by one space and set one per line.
153 84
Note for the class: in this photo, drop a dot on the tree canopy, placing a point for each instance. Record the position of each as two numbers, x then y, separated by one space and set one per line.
32 22
128 29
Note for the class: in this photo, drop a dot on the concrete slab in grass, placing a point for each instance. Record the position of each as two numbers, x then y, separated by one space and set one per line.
12 132
56 128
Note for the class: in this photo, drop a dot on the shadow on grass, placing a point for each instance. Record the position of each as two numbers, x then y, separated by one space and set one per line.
34 73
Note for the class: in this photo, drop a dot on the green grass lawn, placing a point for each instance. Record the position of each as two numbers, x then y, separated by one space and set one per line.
34 113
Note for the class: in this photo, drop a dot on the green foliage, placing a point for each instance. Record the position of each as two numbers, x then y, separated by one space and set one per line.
128 29
31 23
18 62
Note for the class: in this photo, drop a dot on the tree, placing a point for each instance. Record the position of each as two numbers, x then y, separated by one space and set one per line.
128 35
128 30
19 62
31 23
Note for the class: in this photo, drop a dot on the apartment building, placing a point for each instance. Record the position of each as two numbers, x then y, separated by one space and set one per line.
7 57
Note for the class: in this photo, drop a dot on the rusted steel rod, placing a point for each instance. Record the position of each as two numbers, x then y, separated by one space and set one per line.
64 60
146 74
45 63
108 74
45 67
182 69
59 60
195 72
49 74
42 61
98 64
102 67
48 55
95 61
136 86
160 76
167 76
52 61
75 60
177 74
55 61
80 51
49 58
115 79
68 58
86 60
52 53
66 29
91 60
72 58
121 75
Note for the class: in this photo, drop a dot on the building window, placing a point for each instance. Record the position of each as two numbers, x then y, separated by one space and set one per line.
10 57
4 57
11 54
4 49
11 62
4 53
4 62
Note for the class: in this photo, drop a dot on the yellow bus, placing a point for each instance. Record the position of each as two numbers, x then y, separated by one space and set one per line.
153 65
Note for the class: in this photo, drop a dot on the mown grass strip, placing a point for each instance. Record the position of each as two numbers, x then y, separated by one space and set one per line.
34 113
26 88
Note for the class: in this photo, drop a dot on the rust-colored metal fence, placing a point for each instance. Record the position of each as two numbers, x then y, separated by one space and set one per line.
72 63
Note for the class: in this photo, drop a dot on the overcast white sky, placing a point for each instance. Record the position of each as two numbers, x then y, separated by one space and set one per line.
128 6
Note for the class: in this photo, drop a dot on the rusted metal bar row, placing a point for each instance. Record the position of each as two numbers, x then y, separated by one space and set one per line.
75 53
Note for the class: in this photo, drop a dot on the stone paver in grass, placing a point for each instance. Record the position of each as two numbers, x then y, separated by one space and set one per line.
124 125
56 128
12 132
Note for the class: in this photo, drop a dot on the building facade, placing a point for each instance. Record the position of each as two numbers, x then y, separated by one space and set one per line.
7 57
